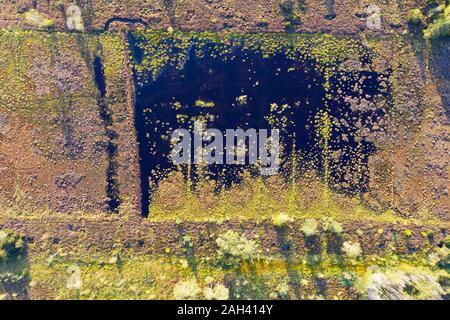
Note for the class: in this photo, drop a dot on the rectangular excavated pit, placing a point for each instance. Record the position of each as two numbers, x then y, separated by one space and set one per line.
325 100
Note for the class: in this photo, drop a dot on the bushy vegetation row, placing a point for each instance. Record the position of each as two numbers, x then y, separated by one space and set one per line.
404 281
242 268
435 18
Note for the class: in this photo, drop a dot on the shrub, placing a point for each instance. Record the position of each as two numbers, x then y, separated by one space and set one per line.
310 227
437 30
332 226
33 17
447 241
48 23
408 233
437 20
281 219
404 283
286 7
186 290
415 16
14 281
436 10
218 292
14 276
440 26
348 279
440 257
11 246
282 290
235 248
190 290
351 249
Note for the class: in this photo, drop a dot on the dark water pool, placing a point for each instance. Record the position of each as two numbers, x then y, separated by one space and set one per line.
242 91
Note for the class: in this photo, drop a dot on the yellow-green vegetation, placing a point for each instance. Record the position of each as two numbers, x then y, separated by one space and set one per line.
238 271
112 51
161 49
22 52
204 104
240 267
12 247
282 219
49 23
352 249
264 200
436 20
332 226
234 248
28 57
415 16
48 84
310 228
440 26
403 282
37 19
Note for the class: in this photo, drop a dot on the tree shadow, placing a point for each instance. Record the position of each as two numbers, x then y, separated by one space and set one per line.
314 256
419 47
331 14
439 68
286 250
249 285
334 247
169 5
188 249
291 21
302 5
